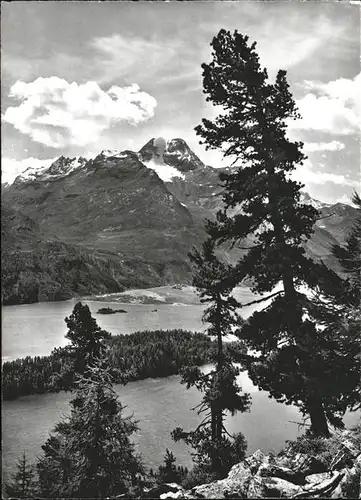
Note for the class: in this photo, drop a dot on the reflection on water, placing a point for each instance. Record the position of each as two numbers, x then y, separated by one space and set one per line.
160 405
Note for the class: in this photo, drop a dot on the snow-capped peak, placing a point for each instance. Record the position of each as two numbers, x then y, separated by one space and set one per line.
34 171
174 152
164 172
110 153
306 198
51 170
63 167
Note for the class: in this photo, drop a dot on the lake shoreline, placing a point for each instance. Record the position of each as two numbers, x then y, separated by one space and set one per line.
162 295
99 297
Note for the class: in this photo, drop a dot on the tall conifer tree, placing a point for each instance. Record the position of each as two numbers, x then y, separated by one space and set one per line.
214 451
294 361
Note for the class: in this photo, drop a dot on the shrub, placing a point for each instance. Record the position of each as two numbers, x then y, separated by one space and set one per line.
324 449
196 476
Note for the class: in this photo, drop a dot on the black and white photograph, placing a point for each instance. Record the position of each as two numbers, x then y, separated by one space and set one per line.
181 249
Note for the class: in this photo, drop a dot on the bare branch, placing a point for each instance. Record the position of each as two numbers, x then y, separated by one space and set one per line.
319 491
197 406
299 423
202 424
250 248
225 430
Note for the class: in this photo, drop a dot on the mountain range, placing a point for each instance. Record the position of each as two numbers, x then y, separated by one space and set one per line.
121 220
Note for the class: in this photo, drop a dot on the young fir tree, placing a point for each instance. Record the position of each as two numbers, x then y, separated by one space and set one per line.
169 472
221 393
89 454
23 483
294 361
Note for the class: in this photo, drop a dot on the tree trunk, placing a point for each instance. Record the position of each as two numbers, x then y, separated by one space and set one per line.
216 411
215 460
219 416
288 286
318 418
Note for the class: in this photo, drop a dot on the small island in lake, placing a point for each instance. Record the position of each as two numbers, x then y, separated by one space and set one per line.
109 310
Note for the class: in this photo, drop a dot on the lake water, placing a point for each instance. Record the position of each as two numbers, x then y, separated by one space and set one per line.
160 405
35 329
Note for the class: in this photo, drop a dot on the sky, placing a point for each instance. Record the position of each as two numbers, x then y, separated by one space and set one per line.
80 77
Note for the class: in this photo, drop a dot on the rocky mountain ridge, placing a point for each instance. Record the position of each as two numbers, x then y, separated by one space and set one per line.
122 219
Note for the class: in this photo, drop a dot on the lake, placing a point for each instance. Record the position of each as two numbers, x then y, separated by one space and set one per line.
160 405
35 329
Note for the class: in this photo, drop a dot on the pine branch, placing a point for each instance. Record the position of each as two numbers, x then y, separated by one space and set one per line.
250 248
261 300
299 423
325 216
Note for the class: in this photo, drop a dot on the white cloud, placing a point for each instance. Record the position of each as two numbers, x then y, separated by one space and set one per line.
333 107
310 175
137 57
57 113
311 147
11 168
346 200
275 51
299 35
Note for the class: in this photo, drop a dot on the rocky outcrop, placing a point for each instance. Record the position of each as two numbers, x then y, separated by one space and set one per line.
288 475
175 153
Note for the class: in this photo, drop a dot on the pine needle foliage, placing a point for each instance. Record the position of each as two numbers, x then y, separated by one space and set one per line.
349 256
90 454
214 449
86 344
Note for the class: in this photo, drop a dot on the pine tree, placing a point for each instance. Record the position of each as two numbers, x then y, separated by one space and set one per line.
338 306
294 359
169 472
89 454
349 256
85 335
23 483
86 344
213 448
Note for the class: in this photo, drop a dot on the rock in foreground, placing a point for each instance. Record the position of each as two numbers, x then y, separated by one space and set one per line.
331 474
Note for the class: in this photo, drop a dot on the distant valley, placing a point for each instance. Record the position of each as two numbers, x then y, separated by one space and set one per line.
121 220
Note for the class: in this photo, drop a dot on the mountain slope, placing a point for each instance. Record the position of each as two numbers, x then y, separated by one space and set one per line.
122 219
113 212
38 268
